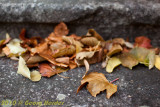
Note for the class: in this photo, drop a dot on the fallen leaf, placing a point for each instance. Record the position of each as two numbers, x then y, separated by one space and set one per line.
24 70
144 56
53 37
92 32
47 71
128 60
112 63
82 55
129 45
97 82
89 41
143 41
15 48
35 76
116 48
71 41
64 60
44 51
61 29
87 66
120 41
157 62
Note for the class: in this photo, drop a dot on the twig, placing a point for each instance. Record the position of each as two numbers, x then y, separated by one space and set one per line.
114 80
62 76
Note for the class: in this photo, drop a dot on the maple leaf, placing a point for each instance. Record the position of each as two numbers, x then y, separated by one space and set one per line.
143 41
97 82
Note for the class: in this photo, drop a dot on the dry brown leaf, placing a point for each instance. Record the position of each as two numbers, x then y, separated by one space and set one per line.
53 37
116 48
64 60
72 65
82 55
97 82
120 41
92 32
71 41
128 60
44 51
61 29
47 70
89 41
69 50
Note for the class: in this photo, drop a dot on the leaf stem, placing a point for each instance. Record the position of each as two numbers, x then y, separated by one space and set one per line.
114 80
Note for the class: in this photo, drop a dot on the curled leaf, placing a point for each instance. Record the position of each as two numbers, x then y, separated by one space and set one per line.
71 41
35 76
15 48
92 32
128 60
90 41
82 55
69 50
97 82
112 63
24 70
116 48
86 65
35 59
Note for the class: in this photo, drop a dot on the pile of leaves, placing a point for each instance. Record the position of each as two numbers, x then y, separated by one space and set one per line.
60 52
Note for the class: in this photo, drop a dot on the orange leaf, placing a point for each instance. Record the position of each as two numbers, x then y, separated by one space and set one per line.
46 70
61 29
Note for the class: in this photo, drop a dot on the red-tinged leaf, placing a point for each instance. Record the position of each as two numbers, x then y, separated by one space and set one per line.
143 41
46 70
61 29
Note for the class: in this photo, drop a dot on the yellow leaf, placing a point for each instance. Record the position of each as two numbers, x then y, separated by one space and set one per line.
112 63
24 70
157 62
